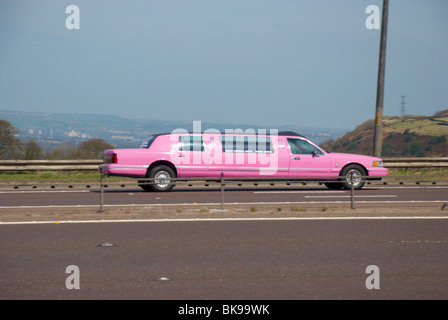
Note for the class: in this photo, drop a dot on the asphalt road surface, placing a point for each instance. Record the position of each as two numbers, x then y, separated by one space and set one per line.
398 249
217 259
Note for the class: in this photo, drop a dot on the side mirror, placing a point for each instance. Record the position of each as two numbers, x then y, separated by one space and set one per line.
316 153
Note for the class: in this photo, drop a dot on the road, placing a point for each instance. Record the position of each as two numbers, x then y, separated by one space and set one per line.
266 259
197 255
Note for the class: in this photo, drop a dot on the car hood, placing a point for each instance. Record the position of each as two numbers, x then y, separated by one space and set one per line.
353 157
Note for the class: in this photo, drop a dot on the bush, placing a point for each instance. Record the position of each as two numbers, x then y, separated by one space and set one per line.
437 140
369 124
389 150
415 149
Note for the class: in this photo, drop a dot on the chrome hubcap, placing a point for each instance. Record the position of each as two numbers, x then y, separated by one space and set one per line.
162 179
354 177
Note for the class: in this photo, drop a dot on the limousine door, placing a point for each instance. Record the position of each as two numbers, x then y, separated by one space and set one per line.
244 156
190 157
307 160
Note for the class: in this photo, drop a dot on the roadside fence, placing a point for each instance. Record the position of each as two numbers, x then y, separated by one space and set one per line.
81 165
233 183
220 184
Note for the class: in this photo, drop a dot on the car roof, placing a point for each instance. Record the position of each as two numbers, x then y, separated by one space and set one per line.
281 133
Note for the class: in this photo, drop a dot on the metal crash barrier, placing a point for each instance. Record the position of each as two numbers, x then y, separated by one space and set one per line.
223 182
82 165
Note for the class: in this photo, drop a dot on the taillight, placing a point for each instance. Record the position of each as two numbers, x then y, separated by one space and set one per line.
110 158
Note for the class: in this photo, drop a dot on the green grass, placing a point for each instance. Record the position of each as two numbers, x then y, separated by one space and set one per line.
410 173
50 175
400 172
419 126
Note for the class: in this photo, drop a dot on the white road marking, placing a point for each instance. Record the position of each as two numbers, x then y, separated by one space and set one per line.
405 187
45 191
419 241
301 191
228 219
356 196
151 205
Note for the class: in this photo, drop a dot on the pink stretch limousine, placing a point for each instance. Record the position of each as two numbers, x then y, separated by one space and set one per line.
165 157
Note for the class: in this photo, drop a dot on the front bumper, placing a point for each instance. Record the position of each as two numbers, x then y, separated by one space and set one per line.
378 172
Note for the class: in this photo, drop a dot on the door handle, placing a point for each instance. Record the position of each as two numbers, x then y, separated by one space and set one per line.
181 155
296 158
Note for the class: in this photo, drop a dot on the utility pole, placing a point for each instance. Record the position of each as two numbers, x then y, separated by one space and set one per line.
403 103
378 132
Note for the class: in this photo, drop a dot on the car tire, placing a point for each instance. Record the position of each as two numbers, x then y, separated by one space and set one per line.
143 184
358 173
163 176
333 185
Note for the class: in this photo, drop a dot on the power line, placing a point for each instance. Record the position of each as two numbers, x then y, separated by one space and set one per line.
403 103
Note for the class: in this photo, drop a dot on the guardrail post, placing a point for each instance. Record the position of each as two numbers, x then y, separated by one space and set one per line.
101 193
352 193
222 191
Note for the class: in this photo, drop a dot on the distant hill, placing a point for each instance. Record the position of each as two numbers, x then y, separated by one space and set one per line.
53 129
409 136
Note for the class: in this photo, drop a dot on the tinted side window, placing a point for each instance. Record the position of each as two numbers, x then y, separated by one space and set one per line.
299 146
227 144
146 144
191 143
246 144
264 145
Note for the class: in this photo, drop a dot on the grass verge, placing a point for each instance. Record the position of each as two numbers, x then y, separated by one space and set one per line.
50 175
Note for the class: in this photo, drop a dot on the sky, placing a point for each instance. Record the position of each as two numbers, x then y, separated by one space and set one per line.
261 62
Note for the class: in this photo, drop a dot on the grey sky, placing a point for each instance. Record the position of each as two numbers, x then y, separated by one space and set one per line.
263 62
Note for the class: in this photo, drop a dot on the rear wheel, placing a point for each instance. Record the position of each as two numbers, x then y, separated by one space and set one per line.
144 186
333 185
353 174
162 176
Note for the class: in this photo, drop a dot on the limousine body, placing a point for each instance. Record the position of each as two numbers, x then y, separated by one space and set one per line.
165 157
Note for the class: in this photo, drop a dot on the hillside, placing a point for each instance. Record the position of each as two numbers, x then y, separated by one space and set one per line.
409 136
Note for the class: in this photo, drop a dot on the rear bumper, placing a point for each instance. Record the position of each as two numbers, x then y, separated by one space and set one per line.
110 169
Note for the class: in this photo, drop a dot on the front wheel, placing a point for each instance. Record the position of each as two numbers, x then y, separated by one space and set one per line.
162 176
353 174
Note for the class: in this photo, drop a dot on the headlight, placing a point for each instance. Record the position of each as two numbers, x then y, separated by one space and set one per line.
377 164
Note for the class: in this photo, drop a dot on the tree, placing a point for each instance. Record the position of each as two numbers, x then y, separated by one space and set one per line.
33 151
63 152
93 149
10 146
